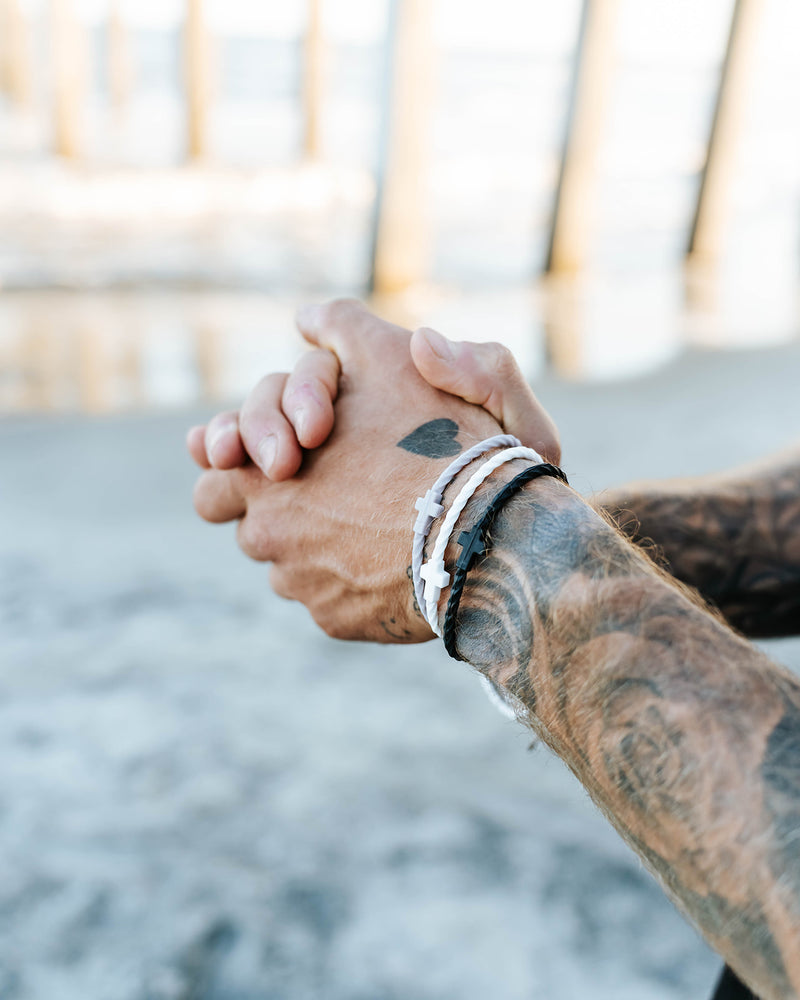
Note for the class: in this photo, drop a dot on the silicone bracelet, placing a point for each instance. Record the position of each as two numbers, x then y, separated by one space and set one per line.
474 544
430 506
433 572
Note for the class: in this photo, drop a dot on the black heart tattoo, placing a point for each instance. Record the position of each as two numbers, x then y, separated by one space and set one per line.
436 439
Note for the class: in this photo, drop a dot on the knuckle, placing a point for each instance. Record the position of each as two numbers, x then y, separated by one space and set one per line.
249 432
304 383
259 401
212 427
261 411
340 312
248 439
279 581
223 421
340 308
254 540
502 362
333 628
315 374
323 367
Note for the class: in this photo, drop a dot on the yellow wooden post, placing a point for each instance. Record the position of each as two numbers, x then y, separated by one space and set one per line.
313 81
120 63
210 359
401 232
713 202
69 61
574 211
564 320
93 368
16 77
197 78
48 347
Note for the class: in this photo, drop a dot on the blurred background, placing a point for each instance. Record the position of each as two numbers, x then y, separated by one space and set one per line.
203 798
602 187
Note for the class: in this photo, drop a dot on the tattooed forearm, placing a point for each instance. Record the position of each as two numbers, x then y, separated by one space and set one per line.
736 539
685 735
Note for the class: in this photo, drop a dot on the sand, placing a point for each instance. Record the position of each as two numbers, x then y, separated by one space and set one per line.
204 798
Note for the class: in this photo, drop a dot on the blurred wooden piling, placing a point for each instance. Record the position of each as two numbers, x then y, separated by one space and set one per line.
401 241
98 356
573 216
564 321
69 66
197 78
209 352
16 76
120 60
714 198
313 81
93 367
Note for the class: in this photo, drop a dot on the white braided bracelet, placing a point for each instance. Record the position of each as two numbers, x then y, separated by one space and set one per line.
433 572
430 506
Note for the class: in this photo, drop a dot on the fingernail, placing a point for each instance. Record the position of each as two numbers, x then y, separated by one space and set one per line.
266 453
440 346
301 421
217 436
308 317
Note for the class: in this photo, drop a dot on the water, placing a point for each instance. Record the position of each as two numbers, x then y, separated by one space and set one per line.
132 236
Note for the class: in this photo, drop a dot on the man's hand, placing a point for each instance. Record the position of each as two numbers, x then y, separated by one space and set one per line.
339 533
296 411
732 537
685 735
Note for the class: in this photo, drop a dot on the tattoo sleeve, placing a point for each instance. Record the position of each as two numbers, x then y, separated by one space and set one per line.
736 539
686 736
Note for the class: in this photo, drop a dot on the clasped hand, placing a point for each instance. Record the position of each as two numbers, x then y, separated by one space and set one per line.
380 414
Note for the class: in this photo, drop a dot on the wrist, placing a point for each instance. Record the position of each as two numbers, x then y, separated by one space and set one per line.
484 520
430 576
545 534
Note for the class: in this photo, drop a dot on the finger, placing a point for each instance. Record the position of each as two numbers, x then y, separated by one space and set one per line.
487 375
267 435
346 327
218 498
196 443
224 447
309 394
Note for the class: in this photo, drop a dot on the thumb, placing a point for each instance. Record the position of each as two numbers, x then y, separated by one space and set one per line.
488 376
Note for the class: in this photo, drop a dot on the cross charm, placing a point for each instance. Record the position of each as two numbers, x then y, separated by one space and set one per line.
472 546
429 509
436 579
